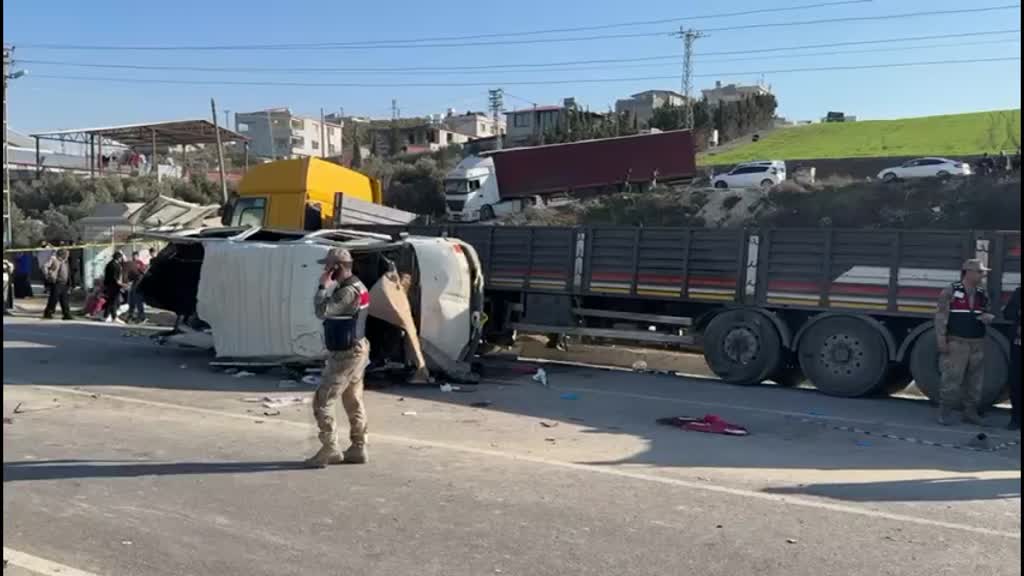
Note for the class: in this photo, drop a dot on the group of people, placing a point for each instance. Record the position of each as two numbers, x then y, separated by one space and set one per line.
1000 163
119 285
961 325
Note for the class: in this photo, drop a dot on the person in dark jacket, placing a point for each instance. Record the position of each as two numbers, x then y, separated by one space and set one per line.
1012 314
113 285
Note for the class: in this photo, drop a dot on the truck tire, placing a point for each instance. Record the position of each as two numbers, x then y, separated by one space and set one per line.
486 214
924 365
844 356
742 347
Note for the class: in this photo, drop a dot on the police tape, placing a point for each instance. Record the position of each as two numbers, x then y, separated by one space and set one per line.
72 247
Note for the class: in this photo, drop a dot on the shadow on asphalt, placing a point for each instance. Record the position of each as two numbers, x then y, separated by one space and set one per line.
79 469
83 355
934 490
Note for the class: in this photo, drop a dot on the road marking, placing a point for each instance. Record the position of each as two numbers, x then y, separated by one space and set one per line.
39 565
724 406
603 470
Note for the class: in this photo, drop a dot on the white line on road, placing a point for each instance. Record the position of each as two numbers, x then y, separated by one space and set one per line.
604 470
39 565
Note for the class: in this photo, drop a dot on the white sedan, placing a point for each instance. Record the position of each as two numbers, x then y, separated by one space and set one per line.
926 168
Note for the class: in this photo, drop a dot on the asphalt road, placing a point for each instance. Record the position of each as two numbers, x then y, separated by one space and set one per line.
125 458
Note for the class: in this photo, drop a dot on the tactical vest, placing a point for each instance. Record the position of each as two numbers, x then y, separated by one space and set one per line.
964 319
342 333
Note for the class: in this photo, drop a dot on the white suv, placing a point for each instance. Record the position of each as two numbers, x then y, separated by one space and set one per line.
926 168
761 174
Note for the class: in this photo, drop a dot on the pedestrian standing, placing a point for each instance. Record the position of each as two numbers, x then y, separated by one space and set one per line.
342 302
113 285
960 326
43 257
134 271
8 286
58 276
1012 314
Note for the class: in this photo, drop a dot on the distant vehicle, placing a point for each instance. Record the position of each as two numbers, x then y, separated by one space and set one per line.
759 174
508 181
926 168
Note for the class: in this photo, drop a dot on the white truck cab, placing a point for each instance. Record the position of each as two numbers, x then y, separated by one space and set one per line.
471 191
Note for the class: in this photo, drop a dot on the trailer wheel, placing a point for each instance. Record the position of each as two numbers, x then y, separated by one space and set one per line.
924 365
844 357
742 347
486 213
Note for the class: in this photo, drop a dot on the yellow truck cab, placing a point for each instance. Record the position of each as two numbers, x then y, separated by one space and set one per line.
297 194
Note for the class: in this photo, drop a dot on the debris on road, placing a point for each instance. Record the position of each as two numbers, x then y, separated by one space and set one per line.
980 442
791 541
552 440
21 409
640 366
271 412
409 413
541 377
549 424
277 401
484 404
709 424
449 388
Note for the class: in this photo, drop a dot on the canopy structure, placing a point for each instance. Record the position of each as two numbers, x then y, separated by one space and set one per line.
144 138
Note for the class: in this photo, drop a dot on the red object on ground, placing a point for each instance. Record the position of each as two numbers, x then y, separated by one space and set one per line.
709 424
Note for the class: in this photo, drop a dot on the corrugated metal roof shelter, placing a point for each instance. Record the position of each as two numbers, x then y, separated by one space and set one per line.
146 137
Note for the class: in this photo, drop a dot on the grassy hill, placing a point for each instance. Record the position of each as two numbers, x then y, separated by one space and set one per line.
954 135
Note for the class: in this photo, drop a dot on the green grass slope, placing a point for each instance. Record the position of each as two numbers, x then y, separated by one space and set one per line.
954 135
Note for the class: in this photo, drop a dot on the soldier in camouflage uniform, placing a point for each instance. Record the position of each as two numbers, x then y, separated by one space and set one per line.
960 326
342 301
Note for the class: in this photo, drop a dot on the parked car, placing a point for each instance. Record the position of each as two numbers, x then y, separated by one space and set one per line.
926 168
760 174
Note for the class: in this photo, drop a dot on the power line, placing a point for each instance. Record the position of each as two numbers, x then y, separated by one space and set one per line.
369 43
864 18
566 64
461 44
170 81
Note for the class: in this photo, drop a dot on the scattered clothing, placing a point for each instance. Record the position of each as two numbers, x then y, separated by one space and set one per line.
709 424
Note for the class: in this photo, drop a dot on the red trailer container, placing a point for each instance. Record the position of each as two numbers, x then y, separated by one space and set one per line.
539 170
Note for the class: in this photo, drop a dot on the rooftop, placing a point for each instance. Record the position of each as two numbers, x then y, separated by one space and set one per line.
167 133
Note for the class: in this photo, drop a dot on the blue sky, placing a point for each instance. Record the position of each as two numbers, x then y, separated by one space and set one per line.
39 103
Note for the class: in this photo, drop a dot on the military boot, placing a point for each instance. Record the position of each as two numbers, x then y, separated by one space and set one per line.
356 454
971 416
324 457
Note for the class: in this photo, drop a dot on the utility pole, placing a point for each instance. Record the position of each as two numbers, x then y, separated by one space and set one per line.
8 234
270 130
497 100
8 222
323 134
220 154
227 119
396 112
689 36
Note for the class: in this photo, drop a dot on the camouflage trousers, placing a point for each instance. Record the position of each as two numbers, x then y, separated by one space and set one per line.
963 374
342 377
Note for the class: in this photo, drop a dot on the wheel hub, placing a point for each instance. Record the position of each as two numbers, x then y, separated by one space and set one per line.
741 345
842 354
